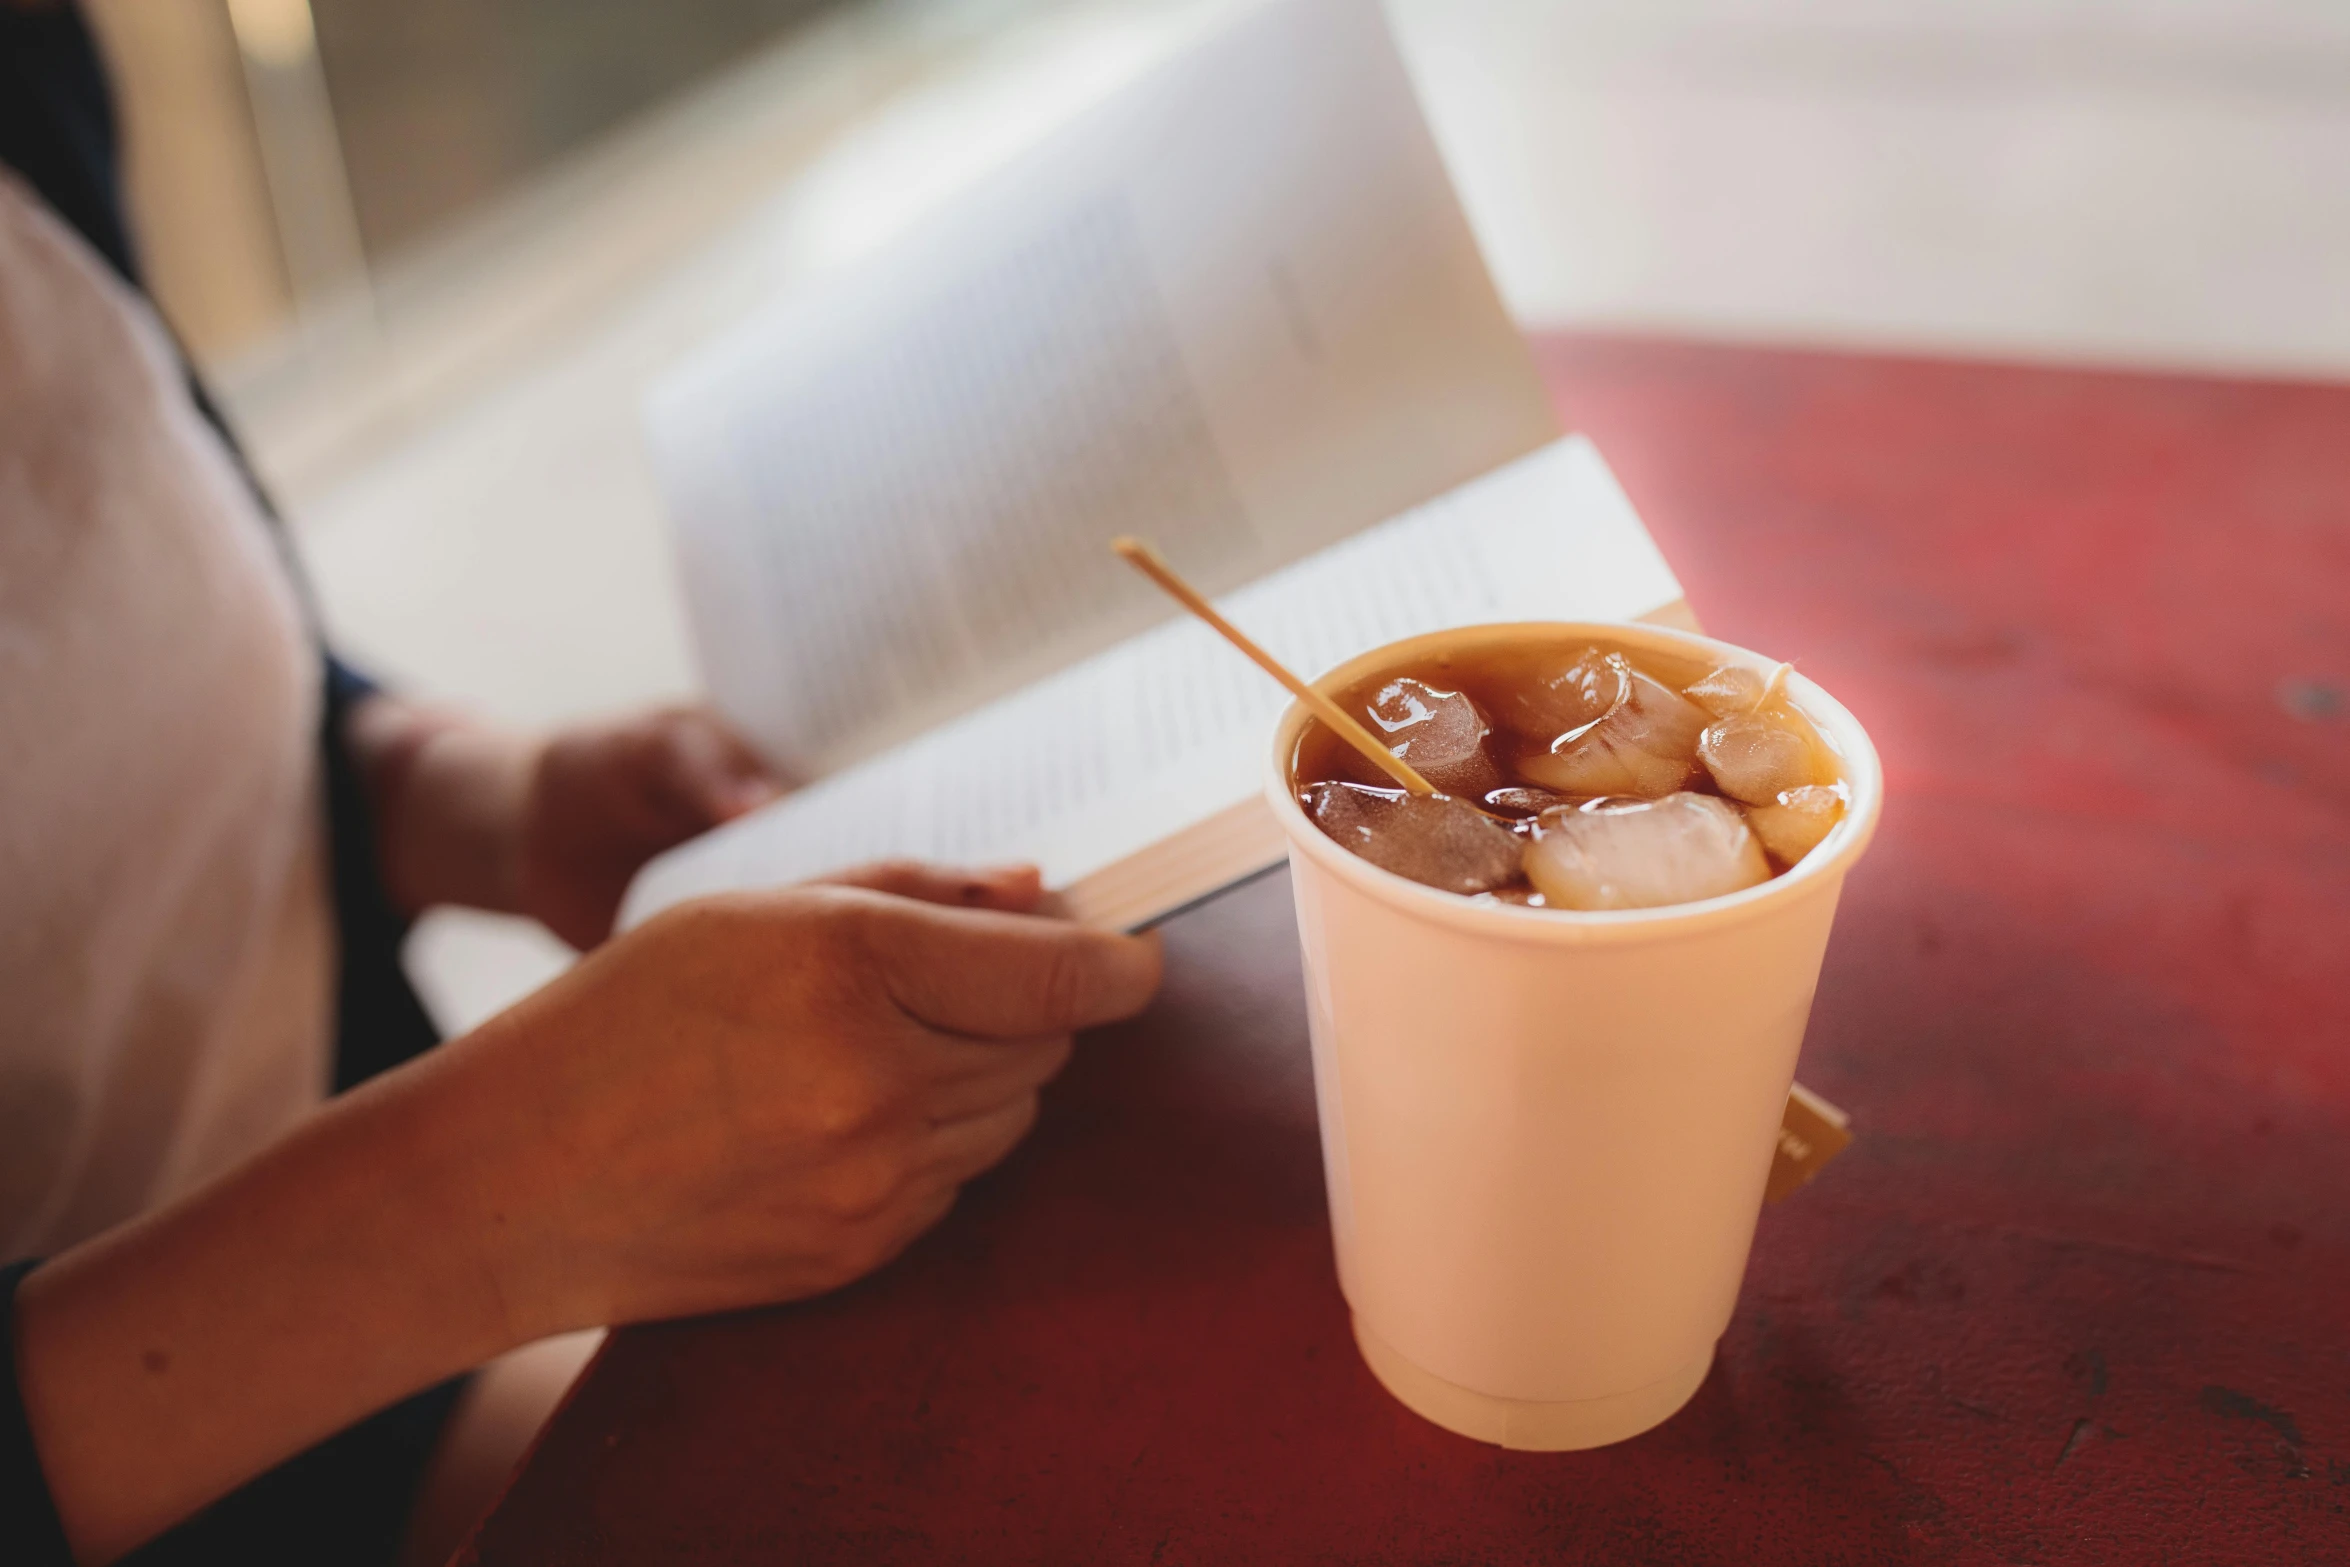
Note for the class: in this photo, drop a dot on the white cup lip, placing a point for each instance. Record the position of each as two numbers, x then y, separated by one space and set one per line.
1824 866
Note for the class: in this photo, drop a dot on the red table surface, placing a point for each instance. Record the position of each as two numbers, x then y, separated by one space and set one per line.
2081 1291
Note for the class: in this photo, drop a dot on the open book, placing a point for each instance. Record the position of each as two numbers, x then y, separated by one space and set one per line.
1234 309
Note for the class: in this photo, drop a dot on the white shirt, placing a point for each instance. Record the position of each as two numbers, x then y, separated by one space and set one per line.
166 944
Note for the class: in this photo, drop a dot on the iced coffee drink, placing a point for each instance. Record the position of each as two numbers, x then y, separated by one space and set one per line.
1552 1048
1577 774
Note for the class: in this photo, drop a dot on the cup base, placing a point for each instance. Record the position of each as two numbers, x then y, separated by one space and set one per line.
1530 1425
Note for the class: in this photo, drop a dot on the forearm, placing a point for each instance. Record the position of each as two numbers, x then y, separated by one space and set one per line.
448 794
166 1362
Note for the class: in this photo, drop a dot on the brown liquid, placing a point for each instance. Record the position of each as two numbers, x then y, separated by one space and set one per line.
1697 771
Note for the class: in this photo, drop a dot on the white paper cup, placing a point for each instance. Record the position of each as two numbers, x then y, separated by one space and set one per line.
1545 1132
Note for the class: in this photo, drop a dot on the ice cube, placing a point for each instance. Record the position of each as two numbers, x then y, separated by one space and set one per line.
1432 839
1642 854
1440 733
1756 757
1733 688
1522 802
1793 825
1544 699
1645 742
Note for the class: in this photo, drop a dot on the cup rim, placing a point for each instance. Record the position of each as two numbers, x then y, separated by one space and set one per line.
1822 868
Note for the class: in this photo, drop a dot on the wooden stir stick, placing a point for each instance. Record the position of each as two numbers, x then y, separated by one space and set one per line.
1811 1130
1153 565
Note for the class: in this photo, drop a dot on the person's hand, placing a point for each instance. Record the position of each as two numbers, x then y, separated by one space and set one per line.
748 1099
762 1096
604 798
550 826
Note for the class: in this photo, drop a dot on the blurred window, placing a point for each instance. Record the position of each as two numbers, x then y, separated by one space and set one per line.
441 104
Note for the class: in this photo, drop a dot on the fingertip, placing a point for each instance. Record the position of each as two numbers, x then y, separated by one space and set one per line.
741 796
1153 963
1012 889
1135 968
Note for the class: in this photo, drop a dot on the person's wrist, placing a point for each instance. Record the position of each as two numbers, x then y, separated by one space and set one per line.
452 797
473 1214
483 1118
475 782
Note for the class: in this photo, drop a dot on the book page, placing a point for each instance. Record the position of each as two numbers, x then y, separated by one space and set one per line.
1111 755
1234 308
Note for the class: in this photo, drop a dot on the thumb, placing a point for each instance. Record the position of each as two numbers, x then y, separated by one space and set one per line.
709 767
1007 976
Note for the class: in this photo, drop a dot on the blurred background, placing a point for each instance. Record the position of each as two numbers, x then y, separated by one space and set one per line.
431 251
